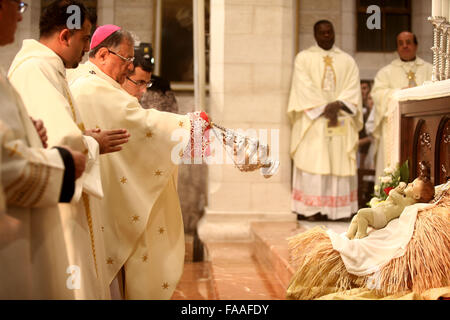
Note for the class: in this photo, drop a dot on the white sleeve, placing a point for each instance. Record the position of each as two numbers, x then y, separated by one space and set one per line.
351 107
315 113
90 182
30 177
370 123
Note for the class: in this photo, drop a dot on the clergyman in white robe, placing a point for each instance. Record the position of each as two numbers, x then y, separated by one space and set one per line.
390 79
325 168
34 260
38 74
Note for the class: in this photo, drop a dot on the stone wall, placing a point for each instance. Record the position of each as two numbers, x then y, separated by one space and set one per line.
342 13
251 65
139 15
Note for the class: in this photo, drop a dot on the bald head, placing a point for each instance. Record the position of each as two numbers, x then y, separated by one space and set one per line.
407 46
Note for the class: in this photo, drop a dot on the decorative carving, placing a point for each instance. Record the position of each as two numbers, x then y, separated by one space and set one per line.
424 170
442 160
447 135
425 140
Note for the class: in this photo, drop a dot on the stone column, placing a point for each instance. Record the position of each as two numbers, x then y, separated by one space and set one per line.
251 68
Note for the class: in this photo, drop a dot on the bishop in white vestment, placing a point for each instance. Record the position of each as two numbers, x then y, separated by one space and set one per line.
407 71
324 155
143 226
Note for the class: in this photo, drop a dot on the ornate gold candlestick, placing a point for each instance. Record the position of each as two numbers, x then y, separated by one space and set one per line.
438 40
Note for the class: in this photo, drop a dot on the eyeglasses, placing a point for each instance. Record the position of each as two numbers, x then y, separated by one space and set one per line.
127 60
22 6
141 83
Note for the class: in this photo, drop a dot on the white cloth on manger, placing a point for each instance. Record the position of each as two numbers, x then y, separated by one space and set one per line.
363 257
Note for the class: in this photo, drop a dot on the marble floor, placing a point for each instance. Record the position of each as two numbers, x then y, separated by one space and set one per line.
255 270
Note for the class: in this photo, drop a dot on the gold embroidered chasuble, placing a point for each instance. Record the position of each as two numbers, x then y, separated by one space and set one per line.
321 77
143 226
396 76
38 74
33 253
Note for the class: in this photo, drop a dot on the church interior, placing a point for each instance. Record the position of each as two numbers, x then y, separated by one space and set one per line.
237 60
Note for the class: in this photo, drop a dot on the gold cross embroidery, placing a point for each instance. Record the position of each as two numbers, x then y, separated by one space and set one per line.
135 219
328 61
181 124
412 79
328 65
109 261
158 173
123 180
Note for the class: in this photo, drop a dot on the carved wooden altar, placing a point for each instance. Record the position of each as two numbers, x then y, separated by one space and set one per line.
425 136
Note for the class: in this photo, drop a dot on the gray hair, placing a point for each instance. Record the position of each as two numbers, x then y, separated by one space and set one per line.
114 41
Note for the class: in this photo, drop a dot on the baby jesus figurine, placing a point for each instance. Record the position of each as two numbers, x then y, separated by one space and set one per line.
420 190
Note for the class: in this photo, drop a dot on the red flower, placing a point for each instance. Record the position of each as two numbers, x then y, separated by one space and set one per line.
387 190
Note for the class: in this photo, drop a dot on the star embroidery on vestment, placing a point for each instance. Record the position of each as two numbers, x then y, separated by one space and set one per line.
328 60
181 124
123 180
161 230
149 134
109 261
144 258
158 173
13 152
135 218
103 229
165 286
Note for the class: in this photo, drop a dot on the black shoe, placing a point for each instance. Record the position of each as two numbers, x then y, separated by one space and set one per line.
344 219
317 217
